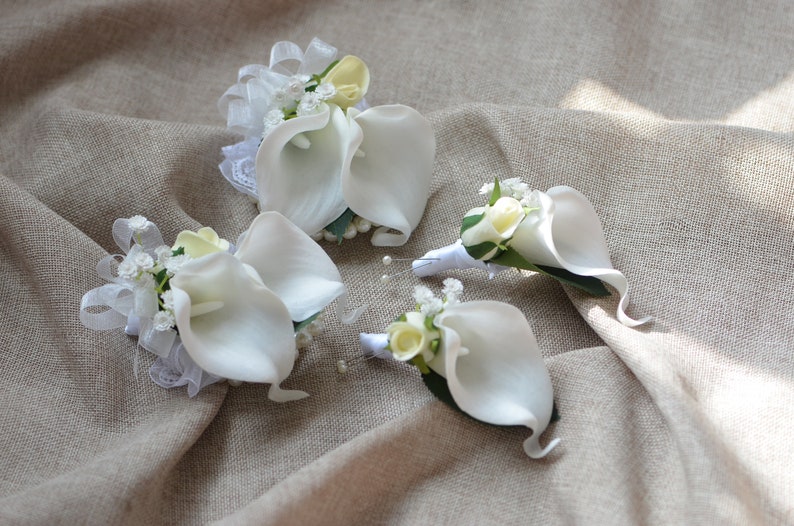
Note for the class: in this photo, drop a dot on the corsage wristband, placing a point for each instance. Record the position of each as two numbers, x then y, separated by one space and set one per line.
211 311
314 150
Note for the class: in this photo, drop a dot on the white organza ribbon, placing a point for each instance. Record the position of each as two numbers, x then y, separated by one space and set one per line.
120 303
246 103
450 257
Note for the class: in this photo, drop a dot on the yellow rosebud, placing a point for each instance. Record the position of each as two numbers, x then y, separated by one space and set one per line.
410 337
200 243
350 77
497 225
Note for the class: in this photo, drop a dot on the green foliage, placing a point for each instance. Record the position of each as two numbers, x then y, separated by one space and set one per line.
470 221
481 250
497 192
299 325
340 224
589 284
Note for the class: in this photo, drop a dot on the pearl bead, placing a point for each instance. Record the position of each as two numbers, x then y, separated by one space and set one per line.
387 260
341 366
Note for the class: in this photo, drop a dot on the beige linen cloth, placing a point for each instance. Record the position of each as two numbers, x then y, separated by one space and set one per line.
674 118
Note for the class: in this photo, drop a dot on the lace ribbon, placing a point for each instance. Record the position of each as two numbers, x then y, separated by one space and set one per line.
177 368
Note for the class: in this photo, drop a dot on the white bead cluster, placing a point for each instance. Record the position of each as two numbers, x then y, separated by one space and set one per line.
358 225
306 335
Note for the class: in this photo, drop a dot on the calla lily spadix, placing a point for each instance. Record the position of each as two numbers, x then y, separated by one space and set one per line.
559 229
488 355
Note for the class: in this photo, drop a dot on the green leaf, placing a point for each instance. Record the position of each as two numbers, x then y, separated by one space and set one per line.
470 221
340 224
497 192
178 251
480 250
511 258
298 325
437 385
161 279
589 284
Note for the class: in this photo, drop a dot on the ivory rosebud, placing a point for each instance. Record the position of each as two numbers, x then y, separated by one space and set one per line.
411 337
499 222
350 77
200 243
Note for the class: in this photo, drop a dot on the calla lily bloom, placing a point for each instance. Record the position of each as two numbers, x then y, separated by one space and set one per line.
565 232
234 312
377 162
494 369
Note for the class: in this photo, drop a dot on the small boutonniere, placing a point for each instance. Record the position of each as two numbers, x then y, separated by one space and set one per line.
482 355
556 233
317 153
212 311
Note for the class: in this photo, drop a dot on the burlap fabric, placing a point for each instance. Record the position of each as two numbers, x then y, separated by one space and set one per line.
675 119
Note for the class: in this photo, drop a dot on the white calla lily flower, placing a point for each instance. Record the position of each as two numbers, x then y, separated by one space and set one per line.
235 313
377 162
565 232
494 369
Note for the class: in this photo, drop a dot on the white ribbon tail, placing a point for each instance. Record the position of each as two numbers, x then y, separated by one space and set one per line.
342 305
450 257
374 345
116 298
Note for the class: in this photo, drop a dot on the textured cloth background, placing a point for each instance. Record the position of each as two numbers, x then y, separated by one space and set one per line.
674 118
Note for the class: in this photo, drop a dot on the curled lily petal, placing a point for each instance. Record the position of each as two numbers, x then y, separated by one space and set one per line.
567 233
494 369
389 177
247 335
290 264
303 181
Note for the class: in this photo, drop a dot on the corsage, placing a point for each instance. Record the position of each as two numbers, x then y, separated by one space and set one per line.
211 311
556 233
314 150
482 353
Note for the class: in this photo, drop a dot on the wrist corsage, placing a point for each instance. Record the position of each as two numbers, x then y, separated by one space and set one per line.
556 233
481 355
211 311
315 152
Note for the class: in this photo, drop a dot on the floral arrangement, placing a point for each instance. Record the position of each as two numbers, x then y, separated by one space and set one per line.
556 233
482 353
212 311
314 150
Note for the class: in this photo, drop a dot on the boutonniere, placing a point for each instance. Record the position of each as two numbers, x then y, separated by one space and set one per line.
212 311
480 356
318 154
556 233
